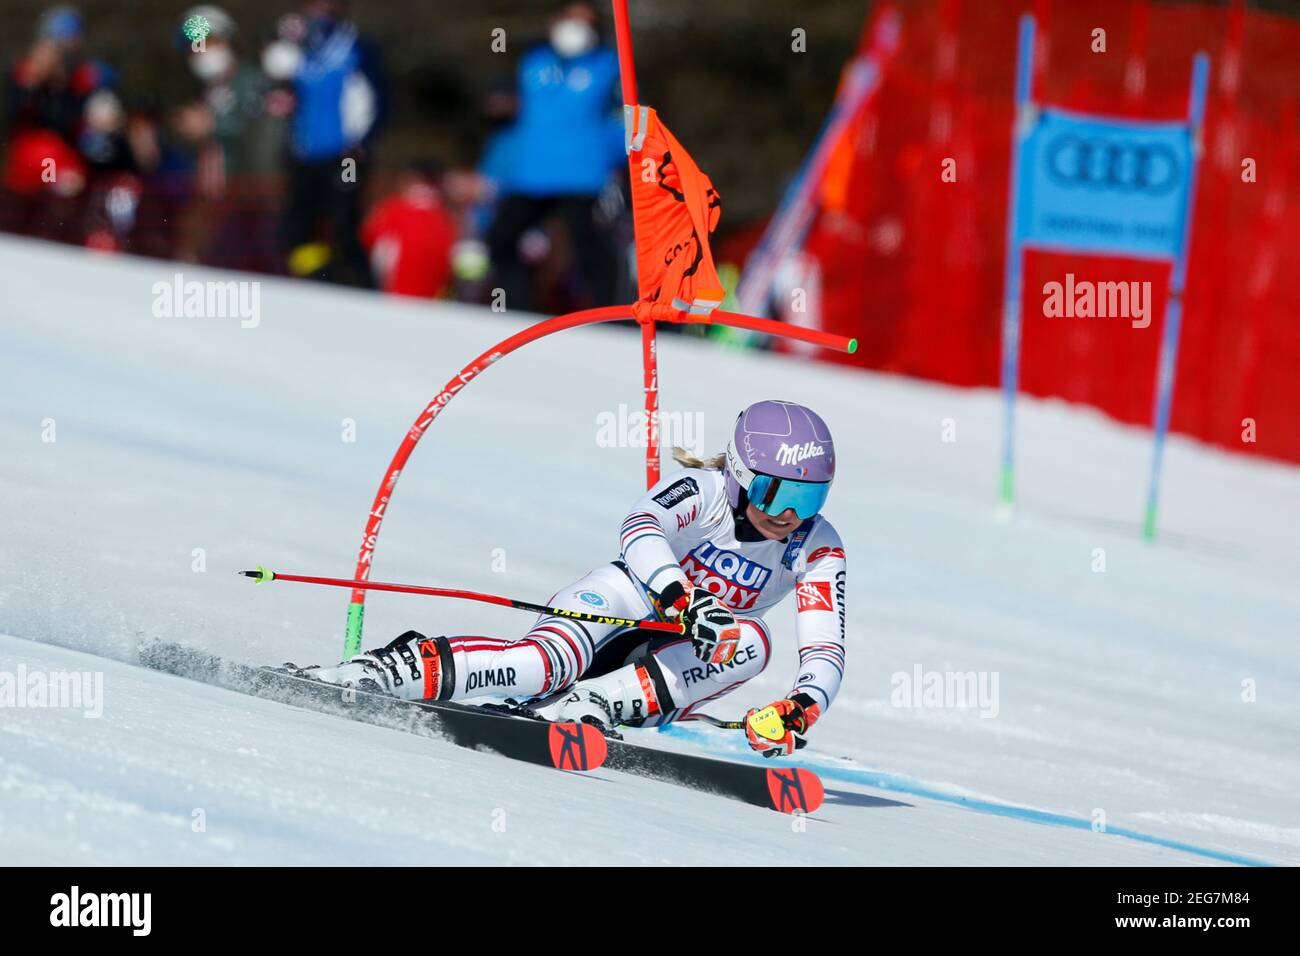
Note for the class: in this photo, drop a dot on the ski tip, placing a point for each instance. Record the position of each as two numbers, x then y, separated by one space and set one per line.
795 790
577 746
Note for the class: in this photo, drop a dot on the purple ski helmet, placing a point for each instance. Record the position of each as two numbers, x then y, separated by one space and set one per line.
782 456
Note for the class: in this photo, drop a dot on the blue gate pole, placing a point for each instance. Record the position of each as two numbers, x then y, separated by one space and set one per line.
1167 365
1012 278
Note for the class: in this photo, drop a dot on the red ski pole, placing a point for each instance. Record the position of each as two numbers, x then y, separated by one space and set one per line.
266 574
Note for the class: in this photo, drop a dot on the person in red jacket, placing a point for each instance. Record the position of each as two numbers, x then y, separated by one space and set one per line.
47 92
409 237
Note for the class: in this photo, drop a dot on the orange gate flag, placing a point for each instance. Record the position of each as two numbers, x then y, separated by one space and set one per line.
675 210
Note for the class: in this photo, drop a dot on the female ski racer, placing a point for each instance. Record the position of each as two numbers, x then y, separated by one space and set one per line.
713 547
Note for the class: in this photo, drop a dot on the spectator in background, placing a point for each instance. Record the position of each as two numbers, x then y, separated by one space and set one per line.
121 148
114 140
496 161
238 148
340 101
565 144
148 222
471 194
48 89
77 155
49 86
409 236
229 123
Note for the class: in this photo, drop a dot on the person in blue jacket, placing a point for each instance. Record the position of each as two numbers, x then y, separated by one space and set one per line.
341 102
564 147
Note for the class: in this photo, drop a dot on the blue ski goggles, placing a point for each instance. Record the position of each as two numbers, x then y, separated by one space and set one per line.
773 495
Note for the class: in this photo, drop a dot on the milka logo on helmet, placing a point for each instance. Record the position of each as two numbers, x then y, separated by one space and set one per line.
736 581
793 454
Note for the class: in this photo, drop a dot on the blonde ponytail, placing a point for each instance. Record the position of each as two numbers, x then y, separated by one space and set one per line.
687 460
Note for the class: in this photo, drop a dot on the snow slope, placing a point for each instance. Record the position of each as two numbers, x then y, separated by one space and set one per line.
185 449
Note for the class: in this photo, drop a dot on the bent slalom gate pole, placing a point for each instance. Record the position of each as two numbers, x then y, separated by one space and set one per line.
261 574
650 378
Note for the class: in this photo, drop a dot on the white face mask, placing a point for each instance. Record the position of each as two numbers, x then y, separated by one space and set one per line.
573 37
211 64
103 112
281 60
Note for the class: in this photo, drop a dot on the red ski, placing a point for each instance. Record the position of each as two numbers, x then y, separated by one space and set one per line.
568 746
785 789
576 746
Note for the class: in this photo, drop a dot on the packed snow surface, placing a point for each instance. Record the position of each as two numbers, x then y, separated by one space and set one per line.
1134 702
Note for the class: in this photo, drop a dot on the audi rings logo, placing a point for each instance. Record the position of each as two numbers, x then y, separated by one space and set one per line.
1112 164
